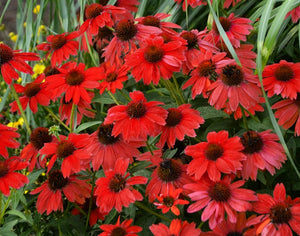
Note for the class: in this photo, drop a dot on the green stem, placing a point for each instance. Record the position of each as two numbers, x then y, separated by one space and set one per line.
124 95
244 117
20 108
186 14
178 89
149 147
141 206
113 97
91 201
168 85
72 117
56 118
2 212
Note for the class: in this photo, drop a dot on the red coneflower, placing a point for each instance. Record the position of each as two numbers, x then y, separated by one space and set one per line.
280 214
219 197
176 228
169 201
227 3
192 3
73 80
219 154
288 113
116 189
7 139
112 77
295 14
181 121
11 60
235 87
70 150
106 149
282 78
34 93
155 20
138 119
236 29
205 72
262 151
61 46
8 177
125 229
51 198
30 152
155 59
130 5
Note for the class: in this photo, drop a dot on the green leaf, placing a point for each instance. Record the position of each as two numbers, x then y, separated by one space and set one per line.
208 112
86 125
169 153
21 215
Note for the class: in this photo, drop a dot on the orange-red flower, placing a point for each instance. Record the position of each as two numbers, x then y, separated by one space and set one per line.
280 214
176 228
11 60
219 154
227 3
8 177
115 190
7 139
138 119
125 229
51 198
130 5
218 198
61 46
283 79
295 14
34 93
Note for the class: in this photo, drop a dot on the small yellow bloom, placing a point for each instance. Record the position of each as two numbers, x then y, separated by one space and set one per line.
19 80
24 24
43 174
26 191
38 69
2 27
16 124
36 10
42 29
13 36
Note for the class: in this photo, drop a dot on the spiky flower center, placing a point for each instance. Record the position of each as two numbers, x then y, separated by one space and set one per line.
74 77
226 25
6 54
39 137
191 38
51 71
207 69
93 10
3 169
65 148
234 234
56 180
117 183
232 75
174 117
136 109
104 134
126 30
151 21
111 77
219 192
31 89
284 73
119 231
58 41
105 33
168 201
169 170
153 54
213 151
252 142
280 214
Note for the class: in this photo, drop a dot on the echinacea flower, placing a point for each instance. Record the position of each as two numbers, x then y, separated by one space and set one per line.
288 113
30 152
73 80
71 151
192 3
7 139
115 190
181 121
155 59
218 198
283 79
227 3
11 60
262 151
295 14
138 119
61 46
52 190
219 154
34 93
130 5
280 215
124 228
106 149
9 178
176 228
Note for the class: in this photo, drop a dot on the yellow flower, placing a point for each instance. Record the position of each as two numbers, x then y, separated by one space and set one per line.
24 24
2 27
16 124
13 36
19 80
38 69
42 29
36 10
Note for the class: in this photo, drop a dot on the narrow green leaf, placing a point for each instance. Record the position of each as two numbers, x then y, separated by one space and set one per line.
288 37
4 98
18 213
86 125
4 10
141 9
